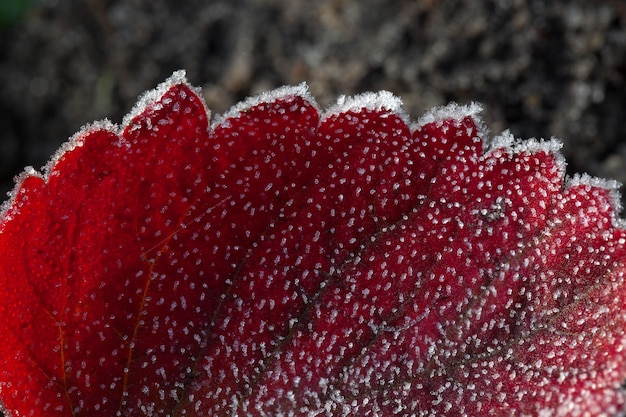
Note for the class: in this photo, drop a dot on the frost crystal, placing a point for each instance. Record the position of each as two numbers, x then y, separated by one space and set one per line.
280 262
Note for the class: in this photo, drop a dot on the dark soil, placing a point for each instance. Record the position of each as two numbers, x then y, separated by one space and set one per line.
541 68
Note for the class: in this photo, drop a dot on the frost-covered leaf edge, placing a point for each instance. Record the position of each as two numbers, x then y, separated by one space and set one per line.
508 142
374 101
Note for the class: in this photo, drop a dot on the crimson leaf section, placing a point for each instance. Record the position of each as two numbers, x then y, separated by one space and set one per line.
287 262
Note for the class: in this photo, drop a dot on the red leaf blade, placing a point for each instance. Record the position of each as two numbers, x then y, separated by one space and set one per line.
283 262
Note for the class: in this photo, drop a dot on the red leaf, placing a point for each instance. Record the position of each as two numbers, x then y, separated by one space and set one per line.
287 263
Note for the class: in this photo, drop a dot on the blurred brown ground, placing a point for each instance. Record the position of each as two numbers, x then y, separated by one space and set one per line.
540 68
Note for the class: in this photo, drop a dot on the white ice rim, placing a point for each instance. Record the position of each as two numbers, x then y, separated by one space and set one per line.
145 100
300 90
450 111
374 101
379 101
506 141
610 185
149 97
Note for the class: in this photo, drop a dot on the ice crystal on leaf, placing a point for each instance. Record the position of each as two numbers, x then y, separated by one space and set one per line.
287 262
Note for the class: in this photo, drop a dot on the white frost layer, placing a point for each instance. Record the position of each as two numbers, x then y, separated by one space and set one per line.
77 140
456 111
151 96
451 111
300 90
380 101
586 179
507 141
612 186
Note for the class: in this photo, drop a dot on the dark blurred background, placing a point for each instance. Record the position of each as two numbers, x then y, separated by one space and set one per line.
541 68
